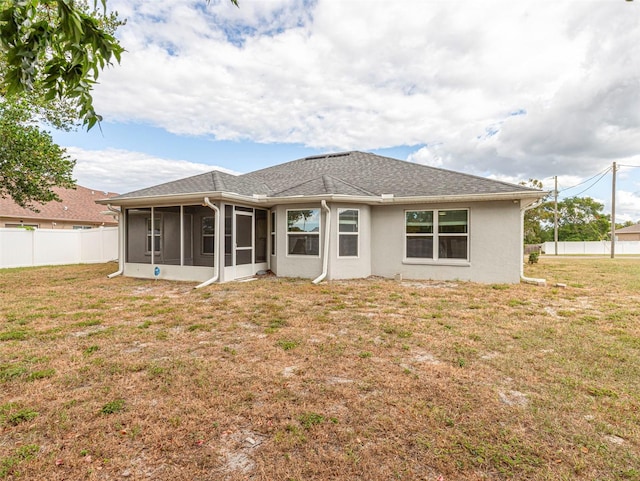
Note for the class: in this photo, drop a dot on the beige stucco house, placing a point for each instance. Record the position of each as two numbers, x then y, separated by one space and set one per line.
77 209
335 216
630 233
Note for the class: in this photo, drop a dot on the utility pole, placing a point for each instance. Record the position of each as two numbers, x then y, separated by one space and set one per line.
613 212
555 213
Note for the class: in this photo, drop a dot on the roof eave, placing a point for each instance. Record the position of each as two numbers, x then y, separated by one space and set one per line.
266 201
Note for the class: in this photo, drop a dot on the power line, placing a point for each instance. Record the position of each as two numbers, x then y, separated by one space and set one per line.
603 172
599 179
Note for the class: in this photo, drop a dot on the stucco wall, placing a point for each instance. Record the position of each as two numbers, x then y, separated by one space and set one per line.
494 244
296 265
350 267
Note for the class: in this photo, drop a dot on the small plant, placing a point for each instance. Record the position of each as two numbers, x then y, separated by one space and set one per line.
42 374
11 371
364 355
229 350
533 257
308 420
89 323
21 416
14 335
91 350
288 344
23 453
197 327
113 407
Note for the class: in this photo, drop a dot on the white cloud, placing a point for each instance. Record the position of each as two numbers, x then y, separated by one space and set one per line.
378 73
122 171
627 206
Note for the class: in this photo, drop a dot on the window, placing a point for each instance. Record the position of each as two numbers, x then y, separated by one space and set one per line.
419 234
23 226
153 234
208 235
81 227
446 229
273 233
348 228
303 232
452 234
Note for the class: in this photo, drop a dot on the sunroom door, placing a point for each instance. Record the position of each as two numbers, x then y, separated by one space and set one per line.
244 243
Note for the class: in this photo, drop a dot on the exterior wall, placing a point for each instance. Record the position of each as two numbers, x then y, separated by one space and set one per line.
308 267
350 267
170 272
494 244
631 236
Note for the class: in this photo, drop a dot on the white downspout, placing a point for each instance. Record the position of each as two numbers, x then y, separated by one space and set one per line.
327 238
120 242
528 280
216 234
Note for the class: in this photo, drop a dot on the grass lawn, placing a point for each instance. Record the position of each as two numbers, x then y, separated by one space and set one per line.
279 379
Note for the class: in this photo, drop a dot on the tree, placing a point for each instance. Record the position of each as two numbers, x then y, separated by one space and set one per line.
535 219
51 53
581 219
57 48
31 164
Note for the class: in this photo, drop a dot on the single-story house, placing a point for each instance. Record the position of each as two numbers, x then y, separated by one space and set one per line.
77 209
630 233
336 216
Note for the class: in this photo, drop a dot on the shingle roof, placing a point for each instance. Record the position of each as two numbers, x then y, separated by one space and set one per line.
347 173
632 229
77 204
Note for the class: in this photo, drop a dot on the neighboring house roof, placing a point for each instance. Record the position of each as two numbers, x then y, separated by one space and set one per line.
358 174
632 229
78 205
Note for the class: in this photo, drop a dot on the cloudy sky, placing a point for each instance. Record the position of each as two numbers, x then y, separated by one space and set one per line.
506 89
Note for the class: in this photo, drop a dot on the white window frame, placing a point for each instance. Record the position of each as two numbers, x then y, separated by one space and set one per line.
289 233
436 235
356 234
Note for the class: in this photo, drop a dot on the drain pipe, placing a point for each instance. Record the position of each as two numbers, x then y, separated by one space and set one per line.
528 280
327 238
216 233
120 243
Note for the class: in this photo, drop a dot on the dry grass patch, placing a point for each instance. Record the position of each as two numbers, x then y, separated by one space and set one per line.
282 379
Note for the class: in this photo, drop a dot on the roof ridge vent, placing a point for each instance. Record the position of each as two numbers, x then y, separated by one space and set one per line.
328 156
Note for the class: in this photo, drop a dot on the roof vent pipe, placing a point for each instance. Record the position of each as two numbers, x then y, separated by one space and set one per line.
216 233
120 243
325 251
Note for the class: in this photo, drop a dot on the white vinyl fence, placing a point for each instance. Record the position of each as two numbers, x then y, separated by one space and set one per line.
592 247
42 247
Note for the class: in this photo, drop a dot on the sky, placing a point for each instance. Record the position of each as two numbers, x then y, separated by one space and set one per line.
511 90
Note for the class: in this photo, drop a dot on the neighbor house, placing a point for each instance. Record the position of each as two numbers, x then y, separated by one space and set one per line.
336 216
630 233
77 210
